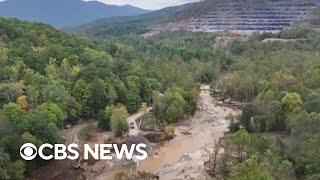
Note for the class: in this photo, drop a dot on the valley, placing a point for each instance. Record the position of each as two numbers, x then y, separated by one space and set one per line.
215 89
182 157
185 155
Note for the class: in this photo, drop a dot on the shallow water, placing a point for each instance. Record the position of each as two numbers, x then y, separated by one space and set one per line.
206 126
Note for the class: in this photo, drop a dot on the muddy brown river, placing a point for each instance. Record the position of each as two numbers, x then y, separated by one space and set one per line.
180 158
204 128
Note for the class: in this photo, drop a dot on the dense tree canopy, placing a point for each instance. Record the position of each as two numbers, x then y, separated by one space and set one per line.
278 83
49 78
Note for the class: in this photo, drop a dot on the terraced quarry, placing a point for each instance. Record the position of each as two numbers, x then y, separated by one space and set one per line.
242 15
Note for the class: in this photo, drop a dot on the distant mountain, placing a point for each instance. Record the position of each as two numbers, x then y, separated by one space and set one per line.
119 26
62 13
240 16
150 17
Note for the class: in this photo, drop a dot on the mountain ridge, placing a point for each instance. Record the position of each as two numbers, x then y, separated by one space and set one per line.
238 16
127 24
62 13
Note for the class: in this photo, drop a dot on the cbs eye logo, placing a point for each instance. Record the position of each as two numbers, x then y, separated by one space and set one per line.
28 151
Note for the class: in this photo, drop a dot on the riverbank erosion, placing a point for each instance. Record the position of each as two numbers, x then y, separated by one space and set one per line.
182 157
185 155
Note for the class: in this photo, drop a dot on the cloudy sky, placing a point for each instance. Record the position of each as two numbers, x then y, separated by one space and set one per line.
148 4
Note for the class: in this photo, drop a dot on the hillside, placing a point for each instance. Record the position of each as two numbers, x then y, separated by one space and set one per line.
242 15
49 78
61 13
119 26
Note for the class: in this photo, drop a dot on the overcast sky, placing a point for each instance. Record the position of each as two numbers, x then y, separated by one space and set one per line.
148 4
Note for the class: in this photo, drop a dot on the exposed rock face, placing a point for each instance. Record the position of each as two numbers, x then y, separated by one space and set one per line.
243 15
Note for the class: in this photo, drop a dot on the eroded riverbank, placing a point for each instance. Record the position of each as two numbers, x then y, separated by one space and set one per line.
179 158
184 156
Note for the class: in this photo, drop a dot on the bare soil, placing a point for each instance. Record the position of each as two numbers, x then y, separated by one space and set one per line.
185 155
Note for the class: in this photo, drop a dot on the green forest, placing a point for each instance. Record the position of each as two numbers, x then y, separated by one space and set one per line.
277 135
49 78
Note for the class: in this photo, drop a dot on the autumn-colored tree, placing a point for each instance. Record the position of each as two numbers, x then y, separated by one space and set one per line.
143 109
22 102
291 102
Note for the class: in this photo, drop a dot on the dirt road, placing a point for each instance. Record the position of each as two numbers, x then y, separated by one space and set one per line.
132 120
71 135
